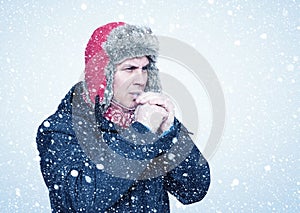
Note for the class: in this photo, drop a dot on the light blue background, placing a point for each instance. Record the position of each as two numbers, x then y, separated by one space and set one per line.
253 46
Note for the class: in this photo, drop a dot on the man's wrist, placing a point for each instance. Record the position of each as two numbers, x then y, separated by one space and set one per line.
146 125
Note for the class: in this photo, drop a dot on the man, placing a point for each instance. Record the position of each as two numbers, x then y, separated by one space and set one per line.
114 144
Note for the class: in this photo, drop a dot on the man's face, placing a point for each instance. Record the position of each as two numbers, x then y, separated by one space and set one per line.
130 80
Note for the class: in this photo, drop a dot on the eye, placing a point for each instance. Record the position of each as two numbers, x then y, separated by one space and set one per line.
129 69
146 68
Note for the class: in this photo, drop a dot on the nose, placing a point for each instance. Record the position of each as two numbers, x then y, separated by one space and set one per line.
140 77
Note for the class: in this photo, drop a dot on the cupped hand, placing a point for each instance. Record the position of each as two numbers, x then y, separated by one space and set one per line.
151 116
162 101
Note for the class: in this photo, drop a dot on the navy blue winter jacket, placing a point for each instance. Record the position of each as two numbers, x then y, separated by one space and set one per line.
90 165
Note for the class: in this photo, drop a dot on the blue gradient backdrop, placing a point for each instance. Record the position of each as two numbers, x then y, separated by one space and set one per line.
253 46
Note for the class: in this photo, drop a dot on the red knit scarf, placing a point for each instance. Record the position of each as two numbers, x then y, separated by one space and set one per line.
119 114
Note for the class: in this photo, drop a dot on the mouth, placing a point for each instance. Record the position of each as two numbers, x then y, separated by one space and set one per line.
135 95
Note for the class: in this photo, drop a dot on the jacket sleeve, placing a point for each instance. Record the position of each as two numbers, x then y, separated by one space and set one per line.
74 183
190 180
186 172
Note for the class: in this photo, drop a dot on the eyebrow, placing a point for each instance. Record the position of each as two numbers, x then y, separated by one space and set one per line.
134 67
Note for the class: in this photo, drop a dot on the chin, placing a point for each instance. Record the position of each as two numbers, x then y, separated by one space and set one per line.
132 105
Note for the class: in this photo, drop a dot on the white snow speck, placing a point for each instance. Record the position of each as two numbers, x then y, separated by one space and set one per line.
88 179
83 6
37 158
290 67
18 192
46 124
263 36
174 140
235 182
237 43
151 20
171 156
74 173
179 205
285 12
29 109
121 17
100 166
229 12
56 187
185 174
267 168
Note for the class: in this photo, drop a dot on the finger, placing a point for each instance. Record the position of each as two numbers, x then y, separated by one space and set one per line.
165 103
145 97
158 101
154 108
154 99
142 95
158 108
162 111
